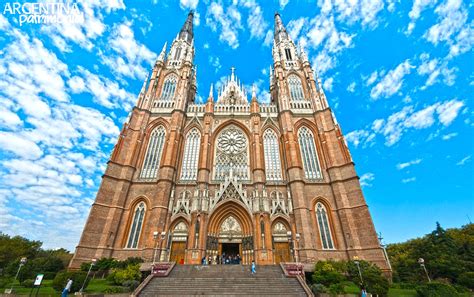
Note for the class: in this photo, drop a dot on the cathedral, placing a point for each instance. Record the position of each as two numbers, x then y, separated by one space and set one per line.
269 182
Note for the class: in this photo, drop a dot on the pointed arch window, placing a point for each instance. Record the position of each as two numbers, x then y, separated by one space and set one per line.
189 168
153 153
169 88
309 155
271 151
296 88
136 227
323 225
288 54
177 53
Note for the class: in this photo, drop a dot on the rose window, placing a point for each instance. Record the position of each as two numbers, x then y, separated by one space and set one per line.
231 154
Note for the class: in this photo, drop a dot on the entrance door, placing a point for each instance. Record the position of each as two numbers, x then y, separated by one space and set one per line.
178 251
282 252
231 250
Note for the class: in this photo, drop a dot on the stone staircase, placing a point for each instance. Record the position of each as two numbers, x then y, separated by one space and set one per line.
223 280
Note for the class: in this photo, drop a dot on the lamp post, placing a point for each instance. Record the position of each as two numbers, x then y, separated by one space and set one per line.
356 261
297 251
290 241
155 237
421 261
22 263
87 276
163 235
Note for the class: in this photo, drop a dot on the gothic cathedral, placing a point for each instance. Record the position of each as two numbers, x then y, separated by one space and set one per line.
270 182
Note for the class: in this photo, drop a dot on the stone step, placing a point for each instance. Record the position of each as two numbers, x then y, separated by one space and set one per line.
223 280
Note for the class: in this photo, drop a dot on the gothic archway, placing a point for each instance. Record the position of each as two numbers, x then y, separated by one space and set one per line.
179 239
281 244
230 227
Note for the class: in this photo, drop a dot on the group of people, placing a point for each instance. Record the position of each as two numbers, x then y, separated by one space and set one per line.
221 259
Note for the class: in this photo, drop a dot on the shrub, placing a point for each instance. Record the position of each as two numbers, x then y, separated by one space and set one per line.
5 282
78 277
466 279
28 283
130 273
373 279
318 288
336 289
436 289
131 284
325 273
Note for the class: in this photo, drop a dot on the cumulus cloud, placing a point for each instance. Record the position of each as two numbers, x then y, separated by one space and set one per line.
435 69
128 57
453 27
397 124
227 21
366 179
391 82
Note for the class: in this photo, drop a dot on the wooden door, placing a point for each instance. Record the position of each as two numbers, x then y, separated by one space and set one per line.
178 251
282 252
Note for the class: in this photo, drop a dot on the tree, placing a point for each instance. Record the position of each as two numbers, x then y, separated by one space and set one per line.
326 273
14 248
372 278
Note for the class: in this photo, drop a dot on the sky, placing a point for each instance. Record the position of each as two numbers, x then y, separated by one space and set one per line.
398 76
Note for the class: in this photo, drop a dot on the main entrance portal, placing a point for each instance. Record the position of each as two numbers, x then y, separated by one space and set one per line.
230 249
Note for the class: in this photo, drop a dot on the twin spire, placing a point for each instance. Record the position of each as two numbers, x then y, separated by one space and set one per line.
186 32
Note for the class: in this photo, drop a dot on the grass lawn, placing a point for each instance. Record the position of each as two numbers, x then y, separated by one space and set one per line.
95 286
353 289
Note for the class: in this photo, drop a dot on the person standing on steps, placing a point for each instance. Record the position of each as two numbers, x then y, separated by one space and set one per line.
254 268
363 293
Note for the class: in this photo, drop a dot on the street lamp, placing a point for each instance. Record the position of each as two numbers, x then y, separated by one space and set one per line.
163 235
356 261
88 272
290 241
297 251
421 261
22 263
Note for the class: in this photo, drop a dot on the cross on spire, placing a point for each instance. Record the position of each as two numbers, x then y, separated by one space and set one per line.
233 70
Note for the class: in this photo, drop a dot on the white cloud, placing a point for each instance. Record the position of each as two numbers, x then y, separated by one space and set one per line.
255 21
188 4
401 166
392 82
372 78
83 33
363 11
464 160
452 27
408 180
283 3
327 85
449 136
366 179
215 62
398 123
130 55
351 87
105 92
228 21
19 146
435 69
416 9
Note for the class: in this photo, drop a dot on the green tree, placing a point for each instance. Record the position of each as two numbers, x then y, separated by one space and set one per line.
14 248
372 278
328 273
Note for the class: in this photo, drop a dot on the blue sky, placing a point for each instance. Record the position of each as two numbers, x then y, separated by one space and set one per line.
398 76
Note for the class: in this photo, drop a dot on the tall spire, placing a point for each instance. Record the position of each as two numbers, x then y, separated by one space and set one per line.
280 31
186 32
161 57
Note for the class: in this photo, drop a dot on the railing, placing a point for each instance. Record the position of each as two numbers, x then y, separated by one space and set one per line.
303 106
162 106
196 108
225 108
270 108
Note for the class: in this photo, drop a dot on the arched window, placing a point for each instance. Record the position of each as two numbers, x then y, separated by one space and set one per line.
177 53
136 228
272 155
153 153
169 88
231 154
296 89
191 155
309 154
323 225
